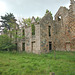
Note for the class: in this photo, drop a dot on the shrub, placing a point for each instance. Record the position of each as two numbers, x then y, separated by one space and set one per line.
6 43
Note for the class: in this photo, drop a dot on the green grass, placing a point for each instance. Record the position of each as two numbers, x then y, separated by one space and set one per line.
32 64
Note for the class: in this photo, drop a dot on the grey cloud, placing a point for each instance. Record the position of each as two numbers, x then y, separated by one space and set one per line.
28 8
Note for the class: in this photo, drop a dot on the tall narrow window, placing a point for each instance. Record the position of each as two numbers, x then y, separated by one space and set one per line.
23 32
33 29
49 30
16 46
16 34
50 46
23 46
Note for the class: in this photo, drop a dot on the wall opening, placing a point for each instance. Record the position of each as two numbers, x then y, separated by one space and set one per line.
16 35
33 46
59 18
49 28
50 46
23 46
23 32
16 46
33 29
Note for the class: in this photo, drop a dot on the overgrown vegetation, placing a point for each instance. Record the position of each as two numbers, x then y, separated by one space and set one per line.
32 64
47 11
6 43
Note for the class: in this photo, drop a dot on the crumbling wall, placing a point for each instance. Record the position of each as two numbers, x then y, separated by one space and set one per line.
65 28
28 39
37 39
45 22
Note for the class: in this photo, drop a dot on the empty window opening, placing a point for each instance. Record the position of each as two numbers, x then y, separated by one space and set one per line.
16 46
23 32
49 30
59 18
33 46
33 29
16 34
50 46
23 46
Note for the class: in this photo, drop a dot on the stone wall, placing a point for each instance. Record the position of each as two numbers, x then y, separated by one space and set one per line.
62 31
19 42
37 39
65 28
45 22
28 39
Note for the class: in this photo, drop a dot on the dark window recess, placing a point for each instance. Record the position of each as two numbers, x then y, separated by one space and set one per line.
23 32
16 34
49 30
32 45
50 46
16 46
33 29
59 18
23 46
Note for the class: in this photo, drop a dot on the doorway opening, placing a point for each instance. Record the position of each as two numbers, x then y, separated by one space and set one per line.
23 46
50 46
33 46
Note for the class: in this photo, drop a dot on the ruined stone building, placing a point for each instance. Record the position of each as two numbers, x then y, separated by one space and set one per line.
58 34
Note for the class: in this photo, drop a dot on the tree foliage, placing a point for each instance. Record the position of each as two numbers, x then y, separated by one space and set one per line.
47 11
9 20
6 43
38 19
26 21
33 29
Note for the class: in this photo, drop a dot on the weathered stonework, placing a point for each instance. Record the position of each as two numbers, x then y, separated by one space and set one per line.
62 32
58 34
28 39
65 28
46 21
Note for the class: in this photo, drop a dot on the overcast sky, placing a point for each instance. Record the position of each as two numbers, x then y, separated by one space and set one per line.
28 8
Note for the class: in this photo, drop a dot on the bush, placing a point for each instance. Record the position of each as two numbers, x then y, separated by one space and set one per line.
6 43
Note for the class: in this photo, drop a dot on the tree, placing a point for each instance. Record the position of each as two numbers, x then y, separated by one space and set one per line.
6 43
38 19
26 21
47 11
9 20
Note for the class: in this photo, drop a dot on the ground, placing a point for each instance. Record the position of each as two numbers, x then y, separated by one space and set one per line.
31 64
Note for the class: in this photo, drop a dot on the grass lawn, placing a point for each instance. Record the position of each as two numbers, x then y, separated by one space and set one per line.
32 64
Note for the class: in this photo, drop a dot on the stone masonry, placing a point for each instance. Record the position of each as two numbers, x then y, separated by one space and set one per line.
58 34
